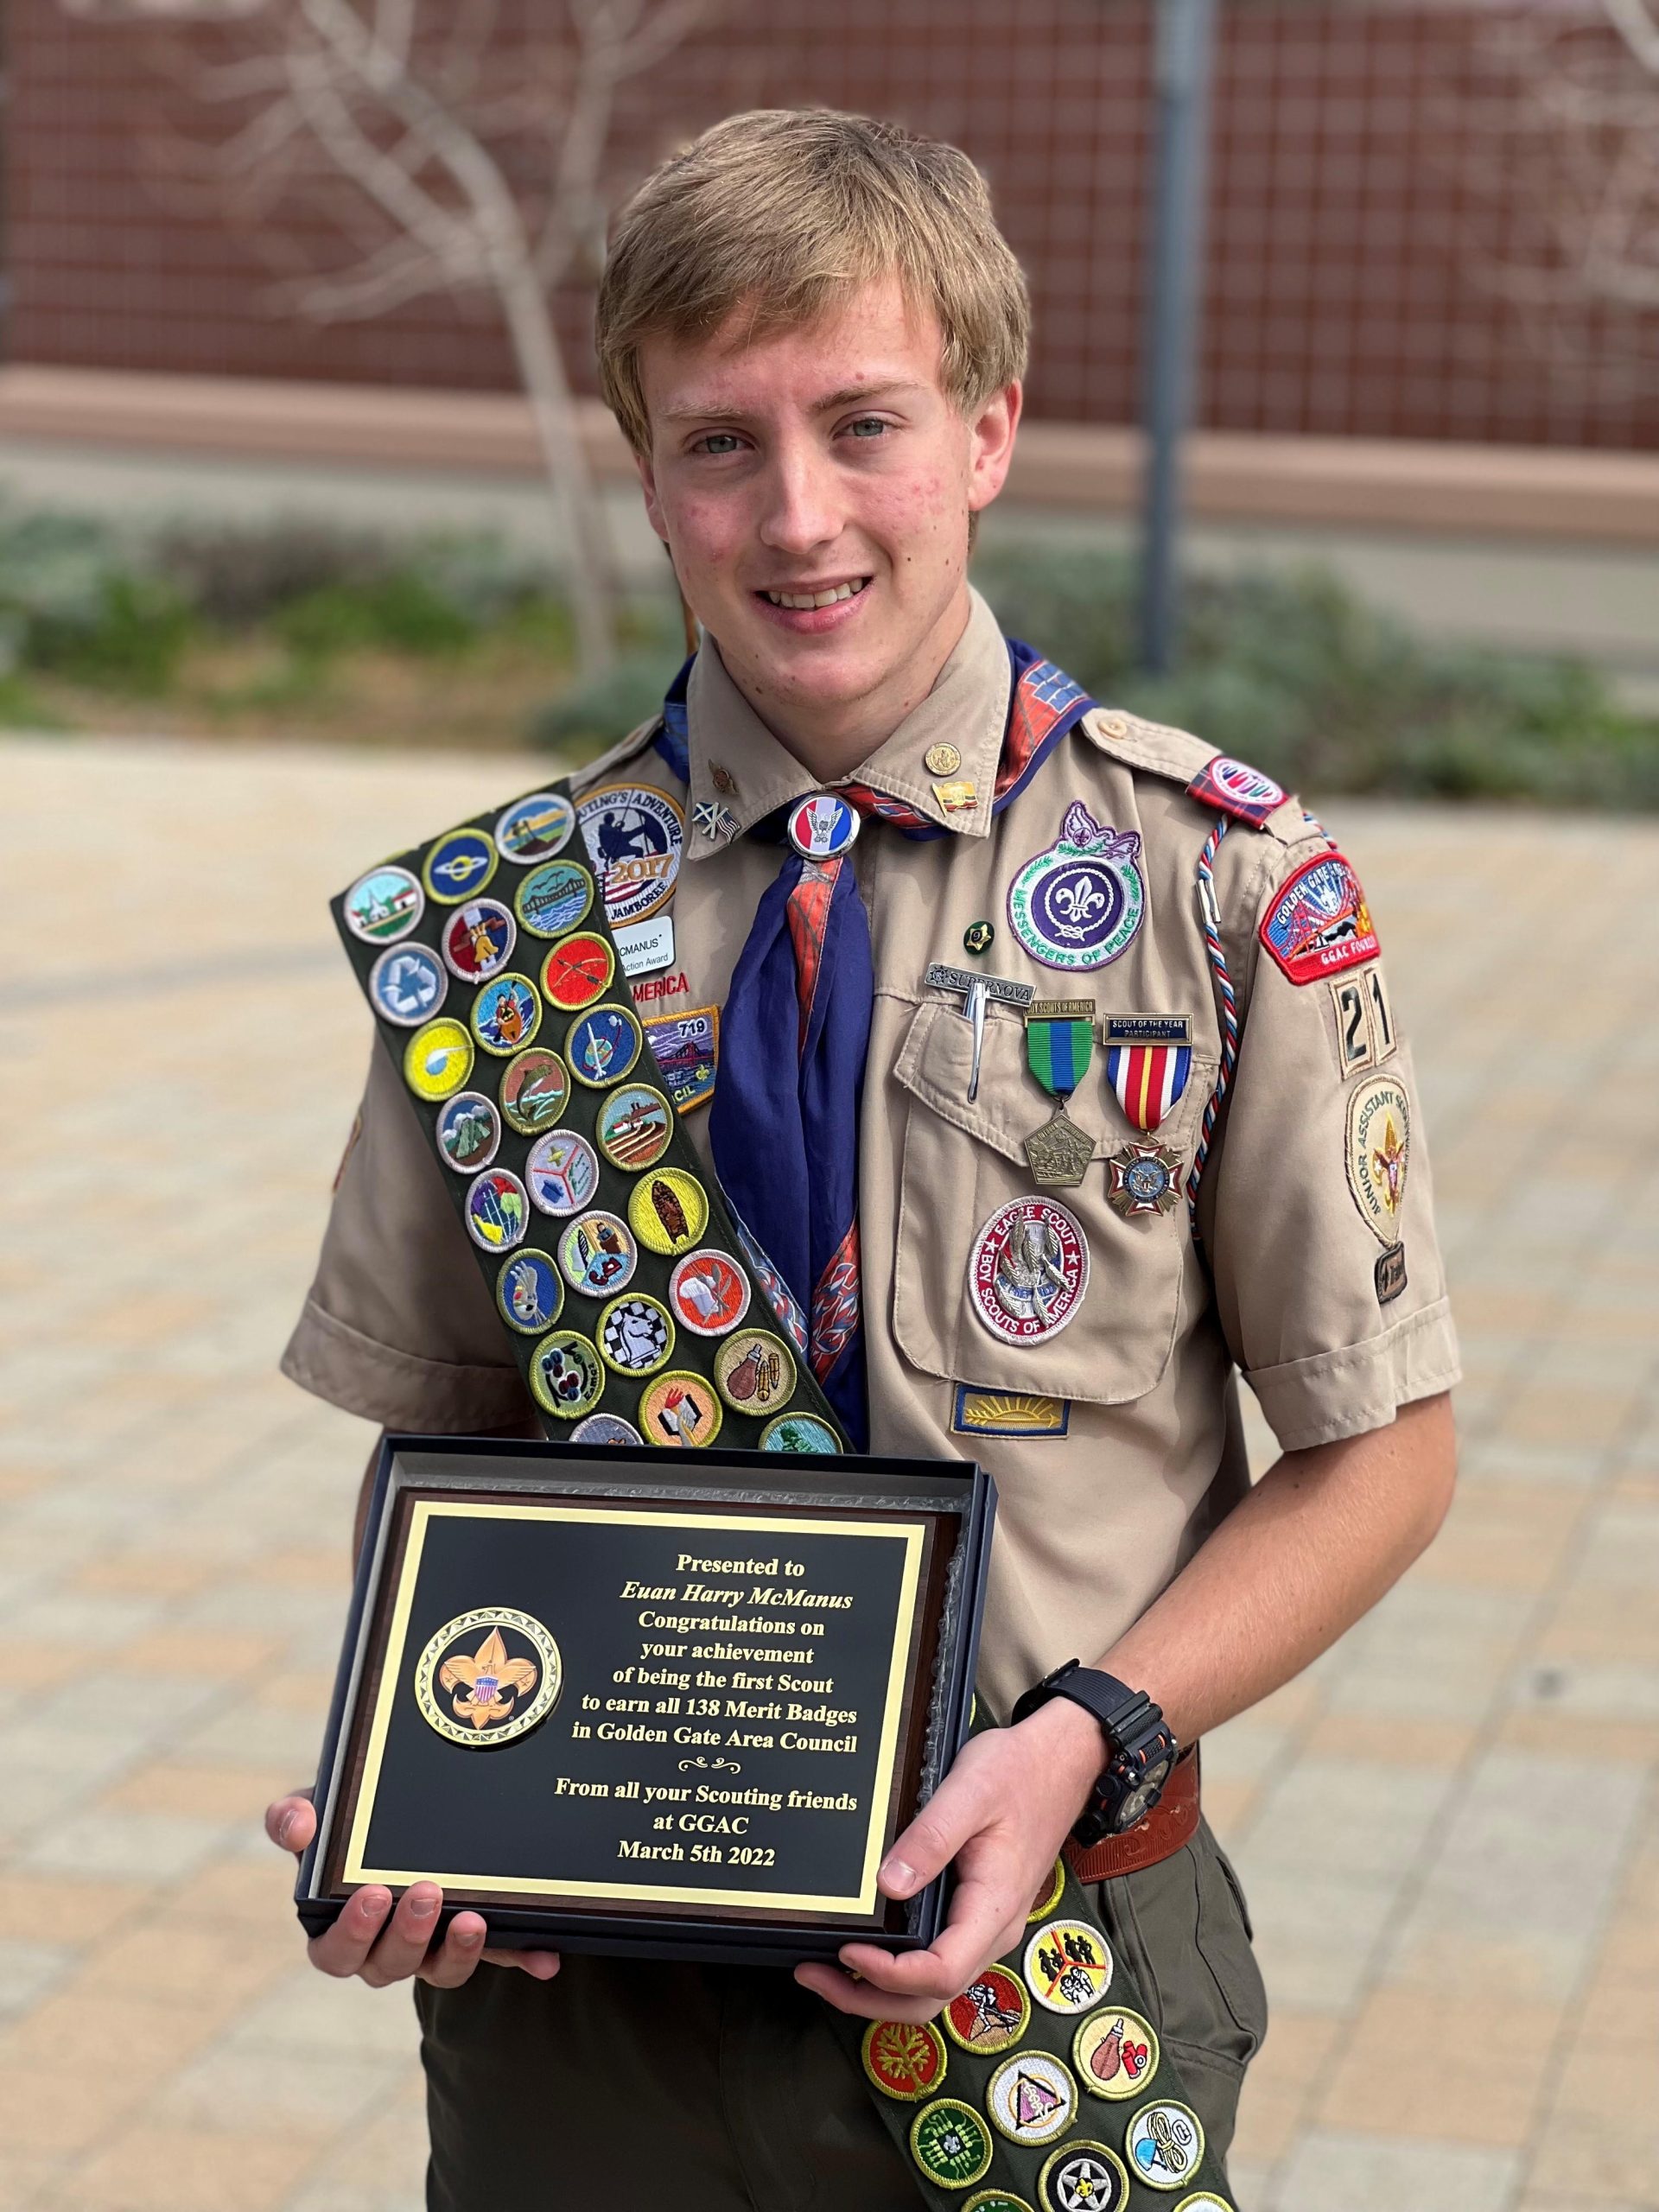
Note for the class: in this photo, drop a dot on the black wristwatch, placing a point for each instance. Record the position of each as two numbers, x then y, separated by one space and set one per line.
1141 1750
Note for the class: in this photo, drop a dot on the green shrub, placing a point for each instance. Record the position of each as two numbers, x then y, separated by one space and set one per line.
75 602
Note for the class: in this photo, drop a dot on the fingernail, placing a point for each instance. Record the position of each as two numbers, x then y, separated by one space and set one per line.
895 1875
285 1827
469 1935
422 1907
375 1902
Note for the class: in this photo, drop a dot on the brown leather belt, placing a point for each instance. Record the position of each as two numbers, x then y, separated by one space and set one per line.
1171 1822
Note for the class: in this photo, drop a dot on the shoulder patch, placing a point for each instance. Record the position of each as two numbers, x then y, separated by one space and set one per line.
1236 788
628 749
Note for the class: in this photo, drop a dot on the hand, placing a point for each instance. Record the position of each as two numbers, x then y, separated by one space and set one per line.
1001 1813
380 1946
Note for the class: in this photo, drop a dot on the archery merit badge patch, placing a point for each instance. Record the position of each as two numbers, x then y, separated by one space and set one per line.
1079 903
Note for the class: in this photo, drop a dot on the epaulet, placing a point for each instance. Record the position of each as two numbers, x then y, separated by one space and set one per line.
628 749
1211 779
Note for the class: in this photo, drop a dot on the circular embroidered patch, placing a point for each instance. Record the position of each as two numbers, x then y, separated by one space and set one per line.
709 1291
632 1127
755 1372
535 827
990 2015
506 1015
1246 787
577 971
437 1059
606 1428
566 1378
942 759
1379 1149
383 906
634 836
407 985
555 898
1079 903
459 865
1082 2178
904 2060
1032 2097
497 1212
679 1409
824 827
528 1292
1142 1178
1068 1966
534 1087
1205 2201
478 940
597 1255
1116 2053
635 1335
799 1433
1028 1270
1165 2144
995 2200
562 1172
669 1209
487 1677
602 1046
951 2143
1051 1895
469 1131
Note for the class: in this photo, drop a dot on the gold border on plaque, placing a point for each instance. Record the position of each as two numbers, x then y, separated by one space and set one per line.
394 1668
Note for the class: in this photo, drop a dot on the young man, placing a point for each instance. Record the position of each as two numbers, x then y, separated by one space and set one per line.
813 335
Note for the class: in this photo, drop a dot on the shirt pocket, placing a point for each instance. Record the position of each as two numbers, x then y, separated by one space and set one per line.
962 1161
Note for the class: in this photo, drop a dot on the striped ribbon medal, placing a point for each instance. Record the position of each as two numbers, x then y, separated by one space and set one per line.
1147 1079
1059 1044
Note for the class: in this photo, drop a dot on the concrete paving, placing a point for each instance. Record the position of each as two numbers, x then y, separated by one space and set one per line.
1447 1828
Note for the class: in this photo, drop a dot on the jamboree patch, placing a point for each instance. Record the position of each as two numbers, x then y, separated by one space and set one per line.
1319 922
635 836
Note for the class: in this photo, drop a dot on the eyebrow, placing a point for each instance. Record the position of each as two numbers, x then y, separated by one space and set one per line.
850 396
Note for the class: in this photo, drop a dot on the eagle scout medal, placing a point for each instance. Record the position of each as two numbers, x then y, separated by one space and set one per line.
566 1378
905 2060
755 1371
1082 2178
1032 2097
952 2144
497 1213
437 1060
1116 2054
534 1087
562 1172
686 1048
978 936
487 1677
383 906
822 828
669 1209
469 1131
1165 2144
607 1428
577 971
679 1411
709 1291
1238 789
535 827
635 836
478 940
459 865
553 899
1147 1079
1028 1270
597 1253
632 1127
506 1015
1079 903
1378 1150
601 1047
635 1335
990 2015
528 1292
407 985
798 1432
1068 1966
1142 1178
1320 921
1059 1044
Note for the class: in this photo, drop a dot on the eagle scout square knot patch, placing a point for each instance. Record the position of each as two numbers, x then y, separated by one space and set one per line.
1079 903
1319 922
1028 1270
1379 1146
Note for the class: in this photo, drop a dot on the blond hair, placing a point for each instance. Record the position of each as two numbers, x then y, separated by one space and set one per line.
782 210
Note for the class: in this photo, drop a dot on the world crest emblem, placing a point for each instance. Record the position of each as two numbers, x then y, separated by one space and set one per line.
1078 905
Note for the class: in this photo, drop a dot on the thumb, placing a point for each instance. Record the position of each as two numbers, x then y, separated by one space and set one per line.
956 1811
290 1822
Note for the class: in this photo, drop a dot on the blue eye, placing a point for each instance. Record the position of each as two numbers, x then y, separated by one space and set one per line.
718 442
867 426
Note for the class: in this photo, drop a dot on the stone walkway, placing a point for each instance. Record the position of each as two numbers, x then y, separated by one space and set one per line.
1447 1829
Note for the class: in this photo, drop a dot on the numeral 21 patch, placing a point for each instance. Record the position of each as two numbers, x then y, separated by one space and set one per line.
1365 1019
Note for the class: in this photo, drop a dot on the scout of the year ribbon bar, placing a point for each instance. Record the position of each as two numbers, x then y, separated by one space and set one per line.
1059 1044
975 991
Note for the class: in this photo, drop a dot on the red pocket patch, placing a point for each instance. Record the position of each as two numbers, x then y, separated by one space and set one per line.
1319 922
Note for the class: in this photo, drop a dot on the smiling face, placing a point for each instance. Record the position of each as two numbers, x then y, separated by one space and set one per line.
815 487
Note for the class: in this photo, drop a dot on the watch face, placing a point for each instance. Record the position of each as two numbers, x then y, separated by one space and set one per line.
1132 1809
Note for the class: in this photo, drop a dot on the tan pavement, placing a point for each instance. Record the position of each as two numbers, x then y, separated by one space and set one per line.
1447 1829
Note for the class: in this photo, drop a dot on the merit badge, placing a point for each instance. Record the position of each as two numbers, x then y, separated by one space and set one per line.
646 948
669 1209
478 940
1009 1413
437 1059
469 1131
536 828
1051 1896
407 985
1082 2178
1205 2201
942 759
1379 1145
978 935
995 2200
1147 1079
597 1255
1236 789
686 1048
1079 903
555 898
1320 921
1390 1274
488 1676
709 1291
577 971
1142 1178
565 1376
383 906
634 836
951 2143
562 1172
904 2060
1032 2097
1028 1271
607 1428
459 865
602 1046
528 1292
632 1127
755 1371
1068 1967
798 1432
990 2015
507 1014
824 827
635 1335
534 1087
679 1410
1116 2054
1165 2143
497 1213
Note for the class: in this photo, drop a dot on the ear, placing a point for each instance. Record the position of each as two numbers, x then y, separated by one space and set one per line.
991 434
648 485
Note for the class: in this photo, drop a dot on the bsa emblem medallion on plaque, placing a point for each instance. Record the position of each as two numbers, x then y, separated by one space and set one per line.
487 1677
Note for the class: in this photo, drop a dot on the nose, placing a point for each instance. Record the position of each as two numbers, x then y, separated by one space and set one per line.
801 513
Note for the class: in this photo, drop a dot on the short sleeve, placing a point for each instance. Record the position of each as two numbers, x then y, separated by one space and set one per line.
398 1326
1316 1205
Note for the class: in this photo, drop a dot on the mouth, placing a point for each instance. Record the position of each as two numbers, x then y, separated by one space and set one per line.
811 610
805 597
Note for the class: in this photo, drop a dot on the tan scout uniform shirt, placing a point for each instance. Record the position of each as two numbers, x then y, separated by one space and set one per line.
1091 1524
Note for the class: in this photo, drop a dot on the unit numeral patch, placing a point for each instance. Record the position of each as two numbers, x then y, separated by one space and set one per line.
1365 1019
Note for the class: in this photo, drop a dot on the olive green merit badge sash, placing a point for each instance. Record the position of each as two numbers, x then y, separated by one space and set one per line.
640 1311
